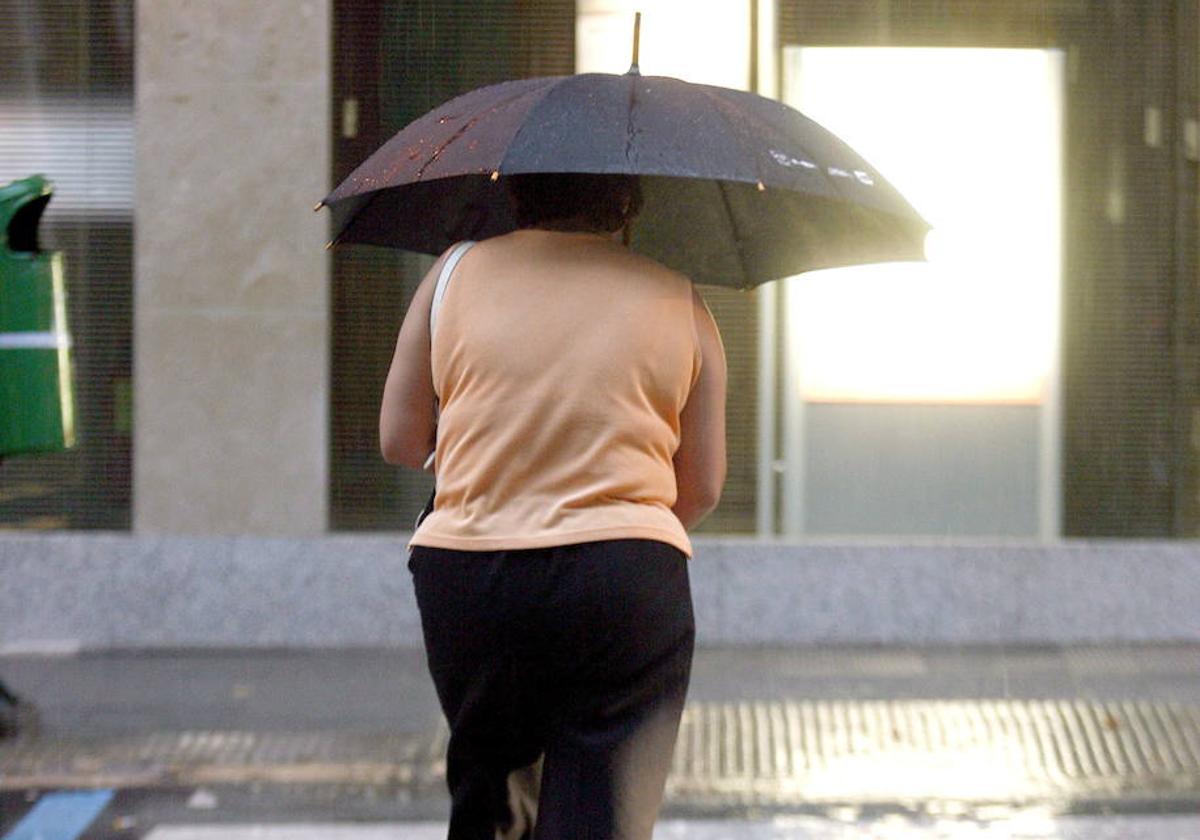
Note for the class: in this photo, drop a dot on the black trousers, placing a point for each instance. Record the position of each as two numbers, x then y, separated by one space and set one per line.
575 656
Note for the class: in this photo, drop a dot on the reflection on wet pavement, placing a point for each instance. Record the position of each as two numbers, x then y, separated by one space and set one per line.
958 751
940 758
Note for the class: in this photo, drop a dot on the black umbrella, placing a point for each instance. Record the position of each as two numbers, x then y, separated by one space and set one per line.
739 189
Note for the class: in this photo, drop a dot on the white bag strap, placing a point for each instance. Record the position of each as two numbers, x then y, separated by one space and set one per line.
443 281
439 292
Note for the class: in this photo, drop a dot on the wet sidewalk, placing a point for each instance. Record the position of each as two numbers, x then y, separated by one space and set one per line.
844 736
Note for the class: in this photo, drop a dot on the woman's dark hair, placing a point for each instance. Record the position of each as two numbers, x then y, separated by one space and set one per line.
602 202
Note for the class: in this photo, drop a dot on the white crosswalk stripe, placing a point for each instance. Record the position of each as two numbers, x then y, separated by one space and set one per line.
1033 825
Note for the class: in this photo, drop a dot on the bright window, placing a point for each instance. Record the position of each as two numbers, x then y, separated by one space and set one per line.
972 138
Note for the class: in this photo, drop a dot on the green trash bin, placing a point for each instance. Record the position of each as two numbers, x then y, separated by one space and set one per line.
37 396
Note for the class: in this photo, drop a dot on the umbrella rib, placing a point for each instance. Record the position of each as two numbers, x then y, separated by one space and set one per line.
358 214
737 236
764 124
476 117
837 193
629 130
734 128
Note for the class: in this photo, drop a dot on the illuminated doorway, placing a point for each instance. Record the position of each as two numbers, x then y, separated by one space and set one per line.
923 400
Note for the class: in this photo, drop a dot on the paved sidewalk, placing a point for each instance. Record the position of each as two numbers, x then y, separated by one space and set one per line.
803 743
121 692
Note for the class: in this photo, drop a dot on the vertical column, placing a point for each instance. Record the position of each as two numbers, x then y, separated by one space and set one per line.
231 280
766 74
1186 338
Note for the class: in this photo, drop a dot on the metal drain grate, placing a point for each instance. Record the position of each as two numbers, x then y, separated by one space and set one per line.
1000 750
769 754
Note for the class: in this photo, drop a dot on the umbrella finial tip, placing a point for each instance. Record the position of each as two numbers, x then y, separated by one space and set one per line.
318 206
329 244
637 40
495 174
762 187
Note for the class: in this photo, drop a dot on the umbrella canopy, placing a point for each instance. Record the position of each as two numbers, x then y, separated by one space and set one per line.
738 189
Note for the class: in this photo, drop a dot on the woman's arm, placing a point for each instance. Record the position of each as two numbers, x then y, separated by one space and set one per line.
407 427
700 459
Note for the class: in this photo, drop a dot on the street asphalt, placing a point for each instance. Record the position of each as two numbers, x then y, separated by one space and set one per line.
820 743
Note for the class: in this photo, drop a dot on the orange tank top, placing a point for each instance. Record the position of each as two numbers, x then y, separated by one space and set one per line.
561 362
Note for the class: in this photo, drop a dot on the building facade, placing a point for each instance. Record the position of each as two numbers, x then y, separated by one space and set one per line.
229 367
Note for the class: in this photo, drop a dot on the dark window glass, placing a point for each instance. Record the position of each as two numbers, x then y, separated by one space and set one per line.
396 61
